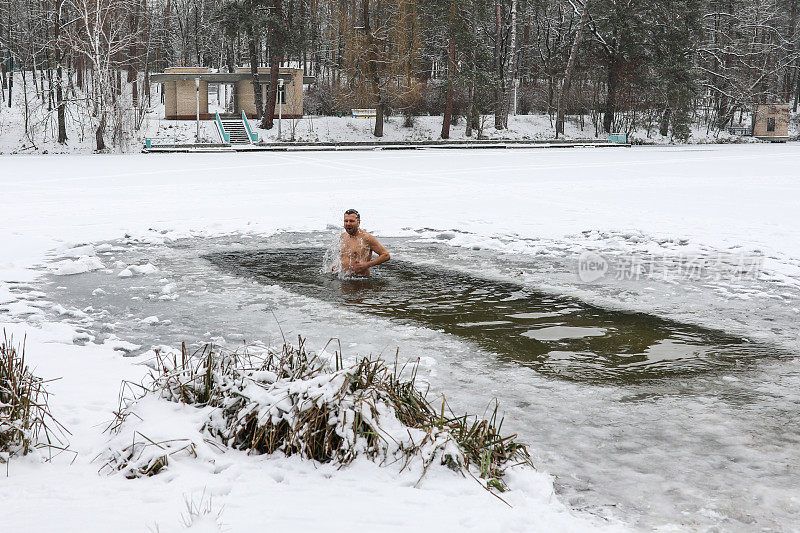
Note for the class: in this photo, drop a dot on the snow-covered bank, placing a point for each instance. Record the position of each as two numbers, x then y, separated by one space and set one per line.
529 203
36 133
536 127
326 129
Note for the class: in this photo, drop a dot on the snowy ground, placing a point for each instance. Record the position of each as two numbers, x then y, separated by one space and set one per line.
535 127
540 210
324 129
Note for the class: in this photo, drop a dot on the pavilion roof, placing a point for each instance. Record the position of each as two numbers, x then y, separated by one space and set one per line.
221 77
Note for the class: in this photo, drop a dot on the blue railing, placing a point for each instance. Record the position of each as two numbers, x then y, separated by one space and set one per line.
253 136
150 142
226 137
621 138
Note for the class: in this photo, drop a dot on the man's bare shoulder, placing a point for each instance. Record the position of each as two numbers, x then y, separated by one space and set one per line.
368 238
373 244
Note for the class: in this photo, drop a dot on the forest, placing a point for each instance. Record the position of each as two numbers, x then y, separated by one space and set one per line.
616 64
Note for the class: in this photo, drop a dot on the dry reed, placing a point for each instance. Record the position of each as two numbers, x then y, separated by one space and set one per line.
295 402
26 423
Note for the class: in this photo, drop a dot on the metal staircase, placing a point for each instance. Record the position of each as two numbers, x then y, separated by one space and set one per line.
234 130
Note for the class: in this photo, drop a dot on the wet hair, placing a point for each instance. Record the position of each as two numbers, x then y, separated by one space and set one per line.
353 212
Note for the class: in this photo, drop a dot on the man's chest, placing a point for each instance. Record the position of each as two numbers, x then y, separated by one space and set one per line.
357 248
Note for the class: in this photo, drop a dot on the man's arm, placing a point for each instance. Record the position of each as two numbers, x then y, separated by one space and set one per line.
383 253
375 246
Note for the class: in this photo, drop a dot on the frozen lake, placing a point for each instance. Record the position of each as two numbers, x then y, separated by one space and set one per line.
651 421
665 393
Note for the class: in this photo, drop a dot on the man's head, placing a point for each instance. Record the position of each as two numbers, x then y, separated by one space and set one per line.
351 221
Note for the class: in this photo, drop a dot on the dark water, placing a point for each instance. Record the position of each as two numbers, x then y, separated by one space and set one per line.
556 336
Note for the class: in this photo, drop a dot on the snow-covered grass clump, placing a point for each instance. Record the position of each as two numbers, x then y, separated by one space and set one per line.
25 420
297 403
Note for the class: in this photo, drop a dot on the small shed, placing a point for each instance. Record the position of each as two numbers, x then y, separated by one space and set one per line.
771 122
180 96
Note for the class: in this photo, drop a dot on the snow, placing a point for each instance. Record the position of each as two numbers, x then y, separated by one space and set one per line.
137 270
534 127
662 201
83 264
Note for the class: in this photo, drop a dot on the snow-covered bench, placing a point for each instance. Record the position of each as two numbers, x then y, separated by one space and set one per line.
741 131
364 113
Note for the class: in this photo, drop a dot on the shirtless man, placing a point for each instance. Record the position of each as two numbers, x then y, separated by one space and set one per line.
358 245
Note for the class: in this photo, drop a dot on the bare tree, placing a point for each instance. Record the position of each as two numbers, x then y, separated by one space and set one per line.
100 33
564 90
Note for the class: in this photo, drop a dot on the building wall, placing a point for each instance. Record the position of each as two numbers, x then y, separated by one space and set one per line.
761 118
292 107
180 98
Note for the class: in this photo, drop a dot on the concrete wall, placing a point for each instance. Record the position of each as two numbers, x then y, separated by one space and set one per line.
761 118
180 98
292 107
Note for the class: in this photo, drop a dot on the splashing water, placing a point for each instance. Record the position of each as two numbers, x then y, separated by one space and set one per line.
332 259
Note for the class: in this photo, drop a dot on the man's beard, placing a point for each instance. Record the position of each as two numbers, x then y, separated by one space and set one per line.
352 231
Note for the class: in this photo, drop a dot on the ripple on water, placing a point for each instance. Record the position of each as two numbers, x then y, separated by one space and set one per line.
514 322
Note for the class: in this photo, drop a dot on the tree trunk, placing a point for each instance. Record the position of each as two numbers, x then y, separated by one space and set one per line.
133 55
62 126
134 88
470 96
663 128
10 80
268 121
794 107
80 74
796 73
498 66
611 98
472 108
511 67
146 80
372 65
26 108
379 118
723 113
451 67
573 53
50 90
276 51
790 69
98 134
10 59
33 78
257 97
69 76
232 68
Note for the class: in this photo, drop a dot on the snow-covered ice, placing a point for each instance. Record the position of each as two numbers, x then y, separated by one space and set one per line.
538 209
